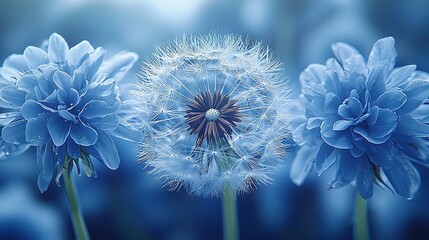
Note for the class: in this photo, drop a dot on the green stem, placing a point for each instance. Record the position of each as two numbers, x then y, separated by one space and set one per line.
360 226
230 220
78 221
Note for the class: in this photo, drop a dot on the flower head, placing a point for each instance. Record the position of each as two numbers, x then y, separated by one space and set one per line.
211 114
65 101
366 118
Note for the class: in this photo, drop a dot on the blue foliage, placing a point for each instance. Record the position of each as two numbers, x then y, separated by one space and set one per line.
365 118
211 114
65 101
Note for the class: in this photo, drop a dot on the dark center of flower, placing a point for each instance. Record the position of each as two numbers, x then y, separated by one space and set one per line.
212 116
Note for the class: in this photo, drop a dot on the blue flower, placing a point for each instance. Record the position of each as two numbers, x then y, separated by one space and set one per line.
210 111
365 118
65 101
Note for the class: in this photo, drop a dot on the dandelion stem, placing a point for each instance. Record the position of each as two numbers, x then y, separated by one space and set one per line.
230 220
78 221
360 226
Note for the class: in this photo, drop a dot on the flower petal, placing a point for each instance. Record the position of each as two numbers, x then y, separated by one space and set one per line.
117 66
83 135
393 100
381 154
311 79
399 76
35 57
302 164
417 92
383 54
332 102
404 177
336 139
57 49
33 109
105 148
127 132
341 125
365 179
62 80
12 95
77 54
73 150
14 132
59 129
96 108
346 171
16 61
378 133
27 82
45 161
36 132
408 126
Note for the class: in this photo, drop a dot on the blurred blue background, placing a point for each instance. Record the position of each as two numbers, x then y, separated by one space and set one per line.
130 204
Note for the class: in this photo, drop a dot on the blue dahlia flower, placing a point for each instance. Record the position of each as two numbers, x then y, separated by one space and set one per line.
210 109
365 118
66 102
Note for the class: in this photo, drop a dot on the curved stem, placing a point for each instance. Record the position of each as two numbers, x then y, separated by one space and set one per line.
78 221
230 220
360 226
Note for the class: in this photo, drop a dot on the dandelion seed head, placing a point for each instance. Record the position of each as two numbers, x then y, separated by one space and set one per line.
222 96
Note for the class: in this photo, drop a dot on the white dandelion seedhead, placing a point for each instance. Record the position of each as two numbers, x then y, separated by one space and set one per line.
212 114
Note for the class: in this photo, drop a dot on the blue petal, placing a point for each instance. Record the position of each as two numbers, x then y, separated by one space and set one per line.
57 49
378 133
314 122
78 54
35 57
383 54
311 79
417 92
343 51
12 95
117 66
96 108
344 111
105 148
27 82
404 177
109 122
399 76
332 102
14 132
90 66
36 132
83 135
302 164
393 100
381 154
16 61
127 132
7 117
336 139
73 150
346 170
365 179
45 162
325 151
59 129
62 80
355 106
341 125
407 126
66 115
9 75
376 82
33 109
